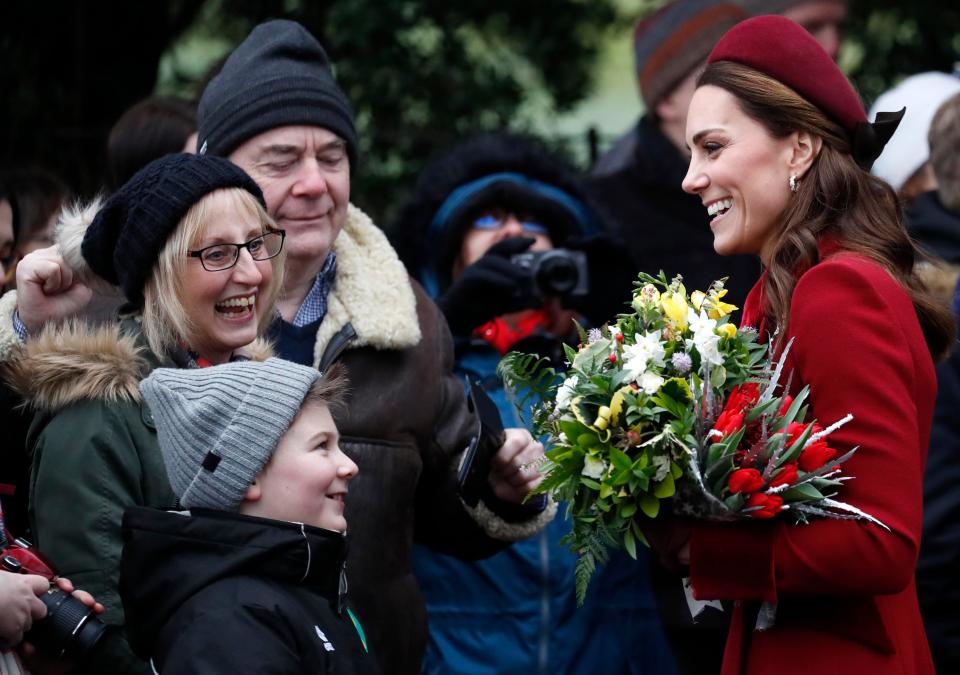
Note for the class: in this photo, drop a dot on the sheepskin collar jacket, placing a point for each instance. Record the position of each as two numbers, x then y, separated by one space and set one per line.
405 426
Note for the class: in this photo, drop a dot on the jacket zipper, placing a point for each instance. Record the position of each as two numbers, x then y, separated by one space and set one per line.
338 343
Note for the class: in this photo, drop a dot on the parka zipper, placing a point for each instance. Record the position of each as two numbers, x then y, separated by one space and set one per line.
338 343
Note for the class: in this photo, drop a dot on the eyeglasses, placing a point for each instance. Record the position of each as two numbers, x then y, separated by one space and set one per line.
220 257
494 220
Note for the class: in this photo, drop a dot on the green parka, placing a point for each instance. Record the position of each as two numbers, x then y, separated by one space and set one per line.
95 453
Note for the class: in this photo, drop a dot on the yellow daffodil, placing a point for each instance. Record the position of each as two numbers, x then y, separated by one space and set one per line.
675 307
727 330
720 308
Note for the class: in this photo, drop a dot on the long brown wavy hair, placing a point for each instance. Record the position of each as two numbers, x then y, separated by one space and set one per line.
836 199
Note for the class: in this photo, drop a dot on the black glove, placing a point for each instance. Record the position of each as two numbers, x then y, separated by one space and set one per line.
490 287
610 272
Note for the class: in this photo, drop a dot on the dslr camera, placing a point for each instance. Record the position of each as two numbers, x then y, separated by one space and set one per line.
70 629
558 273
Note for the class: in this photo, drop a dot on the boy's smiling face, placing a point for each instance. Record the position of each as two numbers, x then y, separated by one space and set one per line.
306 479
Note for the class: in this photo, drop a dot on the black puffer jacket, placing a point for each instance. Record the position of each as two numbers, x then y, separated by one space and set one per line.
217 592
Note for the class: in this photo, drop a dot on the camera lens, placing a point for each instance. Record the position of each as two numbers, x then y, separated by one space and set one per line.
556 275
69 630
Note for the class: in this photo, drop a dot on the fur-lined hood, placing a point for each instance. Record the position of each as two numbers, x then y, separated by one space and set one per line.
372 291
76 361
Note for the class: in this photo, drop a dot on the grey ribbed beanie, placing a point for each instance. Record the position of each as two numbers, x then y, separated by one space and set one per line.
218 426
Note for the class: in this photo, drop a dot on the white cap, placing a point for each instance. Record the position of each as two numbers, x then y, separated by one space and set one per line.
908 150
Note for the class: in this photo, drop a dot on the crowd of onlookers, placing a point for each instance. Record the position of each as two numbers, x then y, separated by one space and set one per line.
212 369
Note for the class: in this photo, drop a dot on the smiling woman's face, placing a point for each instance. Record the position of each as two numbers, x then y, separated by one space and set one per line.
224 307
739 171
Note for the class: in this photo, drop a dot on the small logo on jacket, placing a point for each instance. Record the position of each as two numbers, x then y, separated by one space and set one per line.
326 643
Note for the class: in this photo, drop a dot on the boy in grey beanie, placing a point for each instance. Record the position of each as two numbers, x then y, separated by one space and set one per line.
253 577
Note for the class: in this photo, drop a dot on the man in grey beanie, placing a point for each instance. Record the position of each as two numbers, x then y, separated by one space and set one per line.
276 111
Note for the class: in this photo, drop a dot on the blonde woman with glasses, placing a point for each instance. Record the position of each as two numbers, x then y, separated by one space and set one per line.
188 242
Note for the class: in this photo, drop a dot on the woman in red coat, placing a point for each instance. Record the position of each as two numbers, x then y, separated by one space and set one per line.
779 143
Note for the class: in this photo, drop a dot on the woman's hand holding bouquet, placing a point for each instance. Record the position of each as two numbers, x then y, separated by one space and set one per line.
672 400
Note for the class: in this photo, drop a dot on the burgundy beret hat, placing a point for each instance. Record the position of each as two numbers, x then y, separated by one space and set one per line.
782 49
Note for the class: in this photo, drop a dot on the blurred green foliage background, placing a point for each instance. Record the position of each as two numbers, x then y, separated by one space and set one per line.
419 73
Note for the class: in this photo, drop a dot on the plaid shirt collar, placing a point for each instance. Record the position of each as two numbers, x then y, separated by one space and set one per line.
314 306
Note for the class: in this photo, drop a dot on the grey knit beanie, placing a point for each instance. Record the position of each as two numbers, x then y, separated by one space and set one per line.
278 76
218 426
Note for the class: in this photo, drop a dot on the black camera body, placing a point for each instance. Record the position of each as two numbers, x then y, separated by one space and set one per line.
70 629
557 273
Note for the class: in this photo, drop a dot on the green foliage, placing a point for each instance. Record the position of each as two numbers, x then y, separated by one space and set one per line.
890 39
423 74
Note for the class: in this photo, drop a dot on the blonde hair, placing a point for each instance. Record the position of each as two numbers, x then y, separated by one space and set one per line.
165 321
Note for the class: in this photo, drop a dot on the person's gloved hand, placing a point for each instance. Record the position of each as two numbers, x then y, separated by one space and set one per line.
492 286
611 274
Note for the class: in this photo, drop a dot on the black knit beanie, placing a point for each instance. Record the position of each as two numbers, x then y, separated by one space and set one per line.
125 238
278 76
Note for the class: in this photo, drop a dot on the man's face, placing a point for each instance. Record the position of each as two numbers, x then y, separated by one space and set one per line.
824 20
304 173
6 237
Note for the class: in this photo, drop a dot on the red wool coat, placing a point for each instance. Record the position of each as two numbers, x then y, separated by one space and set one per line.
845 594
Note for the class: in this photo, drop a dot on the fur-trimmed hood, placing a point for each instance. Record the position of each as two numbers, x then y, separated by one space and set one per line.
372 291
76 361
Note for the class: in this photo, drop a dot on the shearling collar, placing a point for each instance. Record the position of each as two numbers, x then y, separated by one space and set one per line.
372 291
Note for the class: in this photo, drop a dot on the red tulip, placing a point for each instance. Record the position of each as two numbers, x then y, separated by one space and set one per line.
728 422
796 429
770 505
785 405
816 455
786 476
745 481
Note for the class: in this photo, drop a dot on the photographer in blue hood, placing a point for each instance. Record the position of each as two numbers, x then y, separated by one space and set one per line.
501 234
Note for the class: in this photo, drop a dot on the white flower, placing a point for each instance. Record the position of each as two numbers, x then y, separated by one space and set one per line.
593 467
565 392
647 351
708 348
700 323
593 335
705 338
650 383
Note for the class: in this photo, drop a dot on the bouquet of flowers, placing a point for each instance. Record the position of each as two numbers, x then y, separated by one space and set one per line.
760 458
637 419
